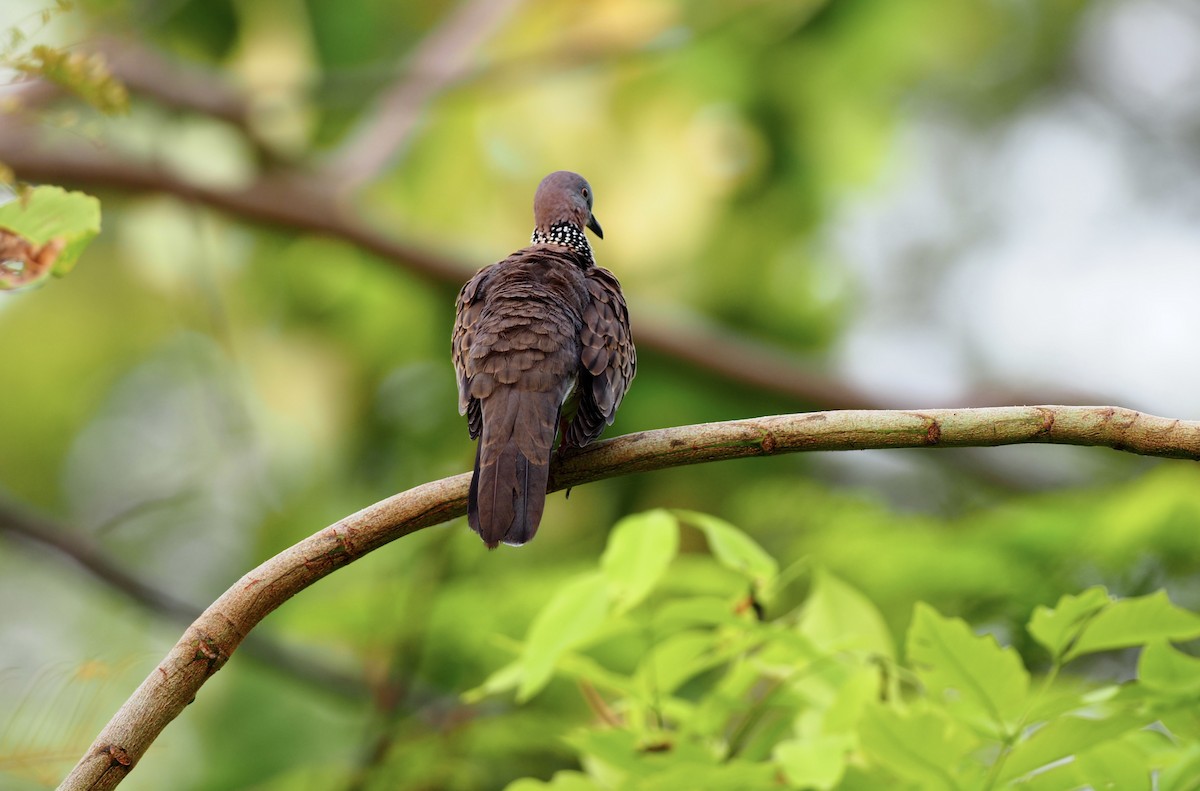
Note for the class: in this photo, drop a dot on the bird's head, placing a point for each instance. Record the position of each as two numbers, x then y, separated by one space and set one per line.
564 197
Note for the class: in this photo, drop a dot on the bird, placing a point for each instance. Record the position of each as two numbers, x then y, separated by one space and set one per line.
541 347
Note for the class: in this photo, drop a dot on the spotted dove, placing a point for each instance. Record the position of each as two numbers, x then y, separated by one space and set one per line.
541 345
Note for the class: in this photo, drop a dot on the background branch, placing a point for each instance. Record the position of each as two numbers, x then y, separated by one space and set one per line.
147 71
82 550
442 57
208 643
301 202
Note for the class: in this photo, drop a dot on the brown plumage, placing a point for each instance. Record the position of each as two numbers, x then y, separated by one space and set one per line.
541 325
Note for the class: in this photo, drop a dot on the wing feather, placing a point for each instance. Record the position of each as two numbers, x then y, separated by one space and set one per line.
467 310
607 358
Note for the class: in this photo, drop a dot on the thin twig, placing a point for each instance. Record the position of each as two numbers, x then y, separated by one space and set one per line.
85 553
208 643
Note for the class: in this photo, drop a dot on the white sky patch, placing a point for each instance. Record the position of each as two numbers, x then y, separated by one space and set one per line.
1040 254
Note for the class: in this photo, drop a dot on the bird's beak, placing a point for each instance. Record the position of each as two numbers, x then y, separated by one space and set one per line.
595 226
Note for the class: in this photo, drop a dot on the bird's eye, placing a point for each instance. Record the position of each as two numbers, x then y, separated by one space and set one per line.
584 192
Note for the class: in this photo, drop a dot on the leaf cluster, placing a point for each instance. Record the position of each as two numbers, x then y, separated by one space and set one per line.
693 685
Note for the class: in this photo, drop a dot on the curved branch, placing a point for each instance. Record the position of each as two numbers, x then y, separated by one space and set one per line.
208 643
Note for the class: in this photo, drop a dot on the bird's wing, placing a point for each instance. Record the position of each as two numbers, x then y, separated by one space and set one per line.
607 358
467 311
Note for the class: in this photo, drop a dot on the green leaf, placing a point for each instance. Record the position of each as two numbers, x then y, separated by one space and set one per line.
1056 701
579 666
920 746
575 613
616 748
680 657
731 776
58 223
639 550
1067 736
676 659
838 618
671 616
1182 719
1182 771
562 781
504 679
735 550
969 674
1170 683
1162 668
1129 622
858 689
818 763
1056 629
1116 766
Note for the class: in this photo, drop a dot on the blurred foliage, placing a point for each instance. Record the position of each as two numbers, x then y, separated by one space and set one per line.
206 391
86 76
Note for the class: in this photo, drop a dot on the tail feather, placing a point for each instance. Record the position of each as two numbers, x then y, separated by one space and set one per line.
512 466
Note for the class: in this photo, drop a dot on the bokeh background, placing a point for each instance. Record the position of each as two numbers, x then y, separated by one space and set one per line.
811 205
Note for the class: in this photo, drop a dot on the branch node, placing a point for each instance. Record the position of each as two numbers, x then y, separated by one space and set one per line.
1048 422
208 651
933 433
339 554
117 755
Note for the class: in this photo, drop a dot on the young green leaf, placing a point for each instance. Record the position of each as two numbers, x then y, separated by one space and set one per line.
924 746
1172 680
639 550
504 679
970 674
735 550
1057 628
1181 717
51 227
577 611
860 686
1129 622
1162 668
838 618
818 762
562 781
1115 766
732 776
1069 736
674 660
1181 771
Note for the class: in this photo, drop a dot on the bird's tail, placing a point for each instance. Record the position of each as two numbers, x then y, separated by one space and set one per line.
512 465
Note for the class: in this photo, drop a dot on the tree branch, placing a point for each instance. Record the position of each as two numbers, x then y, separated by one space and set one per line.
177 85
208 643
299 203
